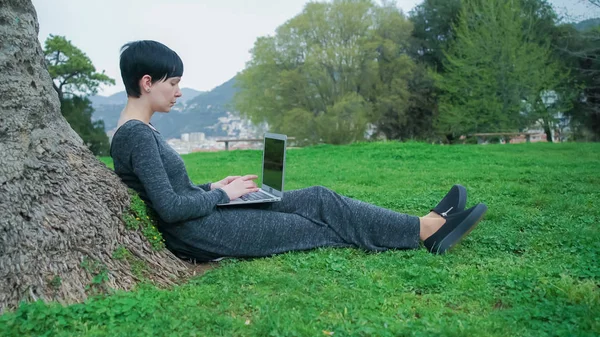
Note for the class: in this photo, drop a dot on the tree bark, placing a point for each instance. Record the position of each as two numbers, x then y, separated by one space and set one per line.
548 133
59 206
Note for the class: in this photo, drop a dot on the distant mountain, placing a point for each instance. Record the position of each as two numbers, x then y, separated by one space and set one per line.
114 99
587 24
188 94
195 111
121 97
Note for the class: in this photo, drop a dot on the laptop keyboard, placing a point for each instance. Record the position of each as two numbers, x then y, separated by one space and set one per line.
255 196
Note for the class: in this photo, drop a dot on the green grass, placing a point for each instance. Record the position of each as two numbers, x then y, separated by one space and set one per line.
531 268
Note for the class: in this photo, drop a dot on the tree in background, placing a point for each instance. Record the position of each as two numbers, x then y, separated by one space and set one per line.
579 47
433 31
72 72
78 112
540 25
75 77
390 95
330 71
422 109
495 71
434 22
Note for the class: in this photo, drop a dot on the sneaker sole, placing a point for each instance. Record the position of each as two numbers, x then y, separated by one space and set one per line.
464 228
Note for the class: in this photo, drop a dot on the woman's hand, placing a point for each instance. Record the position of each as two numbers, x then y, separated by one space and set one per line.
223 182
240 186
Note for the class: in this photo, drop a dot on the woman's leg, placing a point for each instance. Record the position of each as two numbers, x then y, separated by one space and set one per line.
355 222
246 232
306 219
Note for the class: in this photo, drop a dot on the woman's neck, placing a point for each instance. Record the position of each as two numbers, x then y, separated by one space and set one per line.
136 108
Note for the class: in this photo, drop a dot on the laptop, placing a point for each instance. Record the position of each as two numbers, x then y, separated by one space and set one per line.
273 173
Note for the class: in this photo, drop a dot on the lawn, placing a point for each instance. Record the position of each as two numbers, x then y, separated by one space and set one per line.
531 267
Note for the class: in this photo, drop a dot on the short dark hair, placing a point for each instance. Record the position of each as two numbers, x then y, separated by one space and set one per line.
139 58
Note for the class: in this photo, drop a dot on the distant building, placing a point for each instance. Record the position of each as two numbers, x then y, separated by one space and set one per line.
230 126
196 137
180 146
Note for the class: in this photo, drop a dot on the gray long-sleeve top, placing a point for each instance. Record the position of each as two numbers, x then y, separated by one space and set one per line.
147 164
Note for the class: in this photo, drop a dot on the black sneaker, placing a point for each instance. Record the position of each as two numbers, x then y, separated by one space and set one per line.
457 226
454 201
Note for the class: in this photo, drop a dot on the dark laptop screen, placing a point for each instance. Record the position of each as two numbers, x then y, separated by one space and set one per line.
273 164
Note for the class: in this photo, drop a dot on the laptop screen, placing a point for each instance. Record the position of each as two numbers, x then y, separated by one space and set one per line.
273 163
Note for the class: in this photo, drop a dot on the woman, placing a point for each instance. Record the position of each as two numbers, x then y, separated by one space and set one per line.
194 228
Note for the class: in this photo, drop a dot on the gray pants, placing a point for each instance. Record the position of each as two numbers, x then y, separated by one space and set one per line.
304 219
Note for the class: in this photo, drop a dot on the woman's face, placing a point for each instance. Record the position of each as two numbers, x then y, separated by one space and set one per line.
164 94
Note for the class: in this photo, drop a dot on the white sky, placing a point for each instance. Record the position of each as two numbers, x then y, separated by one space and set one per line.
213 37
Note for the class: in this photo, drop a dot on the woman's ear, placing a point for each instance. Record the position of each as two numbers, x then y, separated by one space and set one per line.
145 83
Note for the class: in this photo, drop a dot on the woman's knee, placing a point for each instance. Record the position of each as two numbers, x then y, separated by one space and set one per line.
324 192
320 189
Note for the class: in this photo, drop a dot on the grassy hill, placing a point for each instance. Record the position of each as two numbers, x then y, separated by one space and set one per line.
529 269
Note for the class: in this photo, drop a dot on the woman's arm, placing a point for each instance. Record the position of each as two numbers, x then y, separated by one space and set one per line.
205 187
148 167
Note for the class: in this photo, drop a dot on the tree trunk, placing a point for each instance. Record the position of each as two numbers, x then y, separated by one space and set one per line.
59 206
548 131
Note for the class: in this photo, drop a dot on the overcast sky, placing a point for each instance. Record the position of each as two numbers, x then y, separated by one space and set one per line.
213 37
